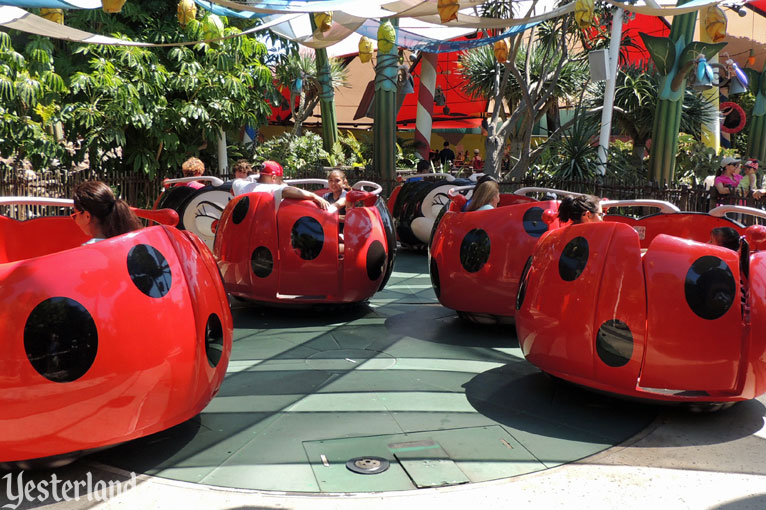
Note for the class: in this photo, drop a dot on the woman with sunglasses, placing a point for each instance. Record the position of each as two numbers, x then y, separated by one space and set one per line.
100 214
728 177
581 209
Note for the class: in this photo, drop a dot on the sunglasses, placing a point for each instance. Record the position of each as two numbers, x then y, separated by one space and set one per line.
75 214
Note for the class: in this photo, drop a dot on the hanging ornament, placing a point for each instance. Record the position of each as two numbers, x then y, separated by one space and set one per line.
448 10
112 6
365 49
583 12
750 60
187 11
501 51
715 24
297 85
323 21
386 37
54 15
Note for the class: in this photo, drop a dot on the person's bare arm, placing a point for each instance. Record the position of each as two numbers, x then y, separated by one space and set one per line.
722 190
302 194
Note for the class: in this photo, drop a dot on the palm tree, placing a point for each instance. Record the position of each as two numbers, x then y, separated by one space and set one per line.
530 85
635 102
298 73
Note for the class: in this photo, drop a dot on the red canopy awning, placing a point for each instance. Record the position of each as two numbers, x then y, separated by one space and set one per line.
458 106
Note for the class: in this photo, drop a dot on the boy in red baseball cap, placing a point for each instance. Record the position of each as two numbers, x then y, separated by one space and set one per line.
270 180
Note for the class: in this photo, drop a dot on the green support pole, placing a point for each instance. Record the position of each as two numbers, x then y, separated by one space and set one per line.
756 144
326 97
667 119
384 126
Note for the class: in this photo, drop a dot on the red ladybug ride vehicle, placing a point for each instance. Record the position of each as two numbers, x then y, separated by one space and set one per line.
648 308
274 250
105 342
476 258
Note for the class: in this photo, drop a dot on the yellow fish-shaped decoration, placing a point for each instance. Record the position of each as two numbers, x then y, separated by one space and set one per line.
365 49
187 11
323 21
448 9
386 37
583 12
54 15
501 51
715 23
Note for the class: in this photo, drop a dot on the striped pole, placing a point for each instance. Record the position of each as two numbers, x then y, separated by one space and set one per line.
424 118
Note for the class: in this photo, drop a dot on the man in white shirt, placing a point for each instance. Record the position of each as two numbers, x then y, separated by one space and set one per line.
270 180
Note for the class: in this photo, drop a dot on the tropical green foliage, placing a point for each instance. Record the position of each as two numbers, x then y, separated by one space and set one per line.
295 153
130 107
29 94
480 69
576 156
539 75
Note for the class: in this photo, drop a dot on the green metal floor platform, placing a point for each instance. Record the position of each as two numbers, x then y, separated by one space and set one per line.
400 382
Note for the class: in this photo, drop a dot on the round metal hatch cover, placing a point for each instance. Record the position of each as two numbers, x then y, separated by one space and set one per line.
367 465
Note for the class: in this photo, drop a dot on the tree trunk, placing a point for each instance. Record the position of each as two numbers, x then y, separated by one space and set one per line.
639 149
494 154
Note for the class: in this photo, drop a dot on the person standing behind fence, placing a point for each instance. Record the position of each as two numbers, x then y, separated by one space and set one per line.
477 164
100 214
727 178
749 182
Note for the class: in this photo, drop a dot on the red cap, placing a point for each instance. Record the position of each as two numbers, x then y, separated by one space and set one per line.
272 168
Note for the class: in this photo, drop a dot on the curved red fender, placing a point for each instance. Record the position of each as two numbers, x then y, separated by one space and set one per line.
569 293
584 315
476 258
137 328
694 321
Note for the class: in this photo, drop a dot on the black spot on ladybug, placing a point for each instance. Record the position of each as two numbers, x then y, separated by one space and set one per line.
213 340
614 343
433 270
710 288
376 260
149 270
307 236
240 210
523 284
533 222
262 262
60 339
474 250
573 259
